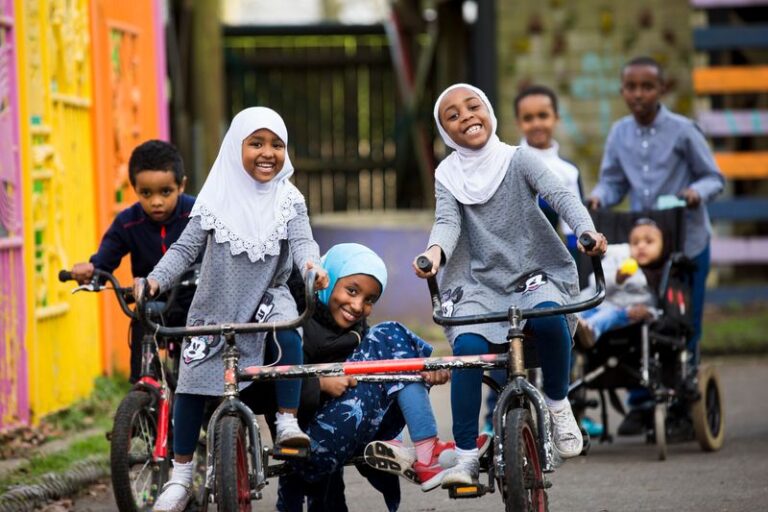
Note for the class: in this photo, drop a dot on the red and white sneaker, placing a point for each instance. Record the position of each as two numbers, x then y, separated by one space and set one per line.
392 457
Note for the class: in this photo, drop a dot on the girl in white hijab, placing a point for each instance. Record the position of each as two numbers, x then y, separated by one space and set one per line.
495 248
253 225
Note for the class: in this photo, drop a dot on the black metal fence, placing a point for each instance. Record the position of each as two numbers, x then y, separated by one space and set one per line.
337 91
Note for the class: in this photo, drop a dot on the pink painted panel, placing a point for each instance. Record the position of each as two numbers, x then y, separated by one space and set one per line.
14 397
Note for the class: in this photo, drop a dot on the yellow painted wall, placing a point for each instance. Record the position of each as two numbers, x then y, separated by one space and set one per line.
55 76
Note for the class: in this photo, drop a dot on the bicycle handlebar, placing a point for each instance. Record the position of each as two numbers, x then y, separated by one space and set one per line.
120 292
425 265
207 330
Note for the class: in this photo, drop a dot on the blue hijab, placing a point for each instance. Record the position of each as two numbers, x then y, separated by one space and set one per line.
344 260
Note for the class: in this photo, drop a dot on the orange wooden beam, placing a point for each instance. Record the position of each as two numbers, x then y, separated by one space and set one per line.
746 166
730 79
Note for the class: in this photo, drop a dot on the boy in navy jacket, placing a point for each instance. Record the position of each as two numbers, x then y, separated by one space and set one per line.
147 228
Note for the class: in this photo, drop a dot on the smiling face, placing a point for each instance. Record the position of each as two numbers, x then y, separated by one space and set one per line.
536 119
646 244
263 155
465 118
353 298
158 193
641 88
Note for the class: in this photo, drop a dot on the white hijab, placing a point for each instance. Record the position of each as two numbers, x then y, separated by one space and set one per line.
473 175
251 217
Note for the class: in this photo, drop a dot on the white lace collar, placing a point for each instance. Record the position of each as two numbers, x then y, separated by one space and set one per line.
256 249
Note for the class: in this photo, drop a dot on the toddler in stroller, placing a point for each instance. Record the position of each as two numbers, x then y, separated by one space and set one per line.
647 354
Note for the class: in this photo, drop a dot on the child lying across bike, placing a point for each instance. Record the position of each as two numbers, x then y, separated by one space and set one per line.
343 414
146 229
253 225
632 272
498 249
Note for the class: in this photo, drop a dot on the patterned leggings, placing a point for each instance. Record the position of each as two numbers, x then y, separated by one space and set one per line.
343 426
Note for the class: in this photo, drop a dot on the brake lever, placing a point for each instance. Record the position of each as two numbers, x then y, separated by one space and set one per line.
90 287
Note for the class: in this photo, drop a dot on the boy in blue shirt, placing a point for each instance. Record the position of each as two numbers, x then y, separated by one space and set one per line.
653 153
147 228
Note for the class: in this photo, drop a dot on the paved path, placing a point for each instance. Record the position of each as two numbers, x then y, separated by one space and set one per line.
623 476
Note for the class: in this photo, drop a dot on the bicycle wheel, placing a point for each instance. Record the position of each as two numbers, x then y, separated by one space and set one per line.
233 488
523 481
707 411
660 429
136 476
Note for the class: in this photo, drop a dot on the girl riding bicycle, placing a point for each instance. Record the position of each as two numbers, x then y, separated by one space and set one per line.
499 249
253 225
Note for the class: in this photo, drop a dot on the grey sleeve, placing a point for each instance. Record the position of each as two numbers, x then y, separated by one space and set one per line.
447 226
546 183
303 245
180 255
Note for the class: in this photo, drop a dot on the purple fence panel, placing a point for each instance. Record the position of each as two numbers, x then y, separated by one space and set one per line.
14 402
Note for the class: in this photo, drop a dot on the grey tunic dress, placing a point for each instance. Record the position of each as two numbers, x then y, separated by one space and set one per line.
504 251
232 289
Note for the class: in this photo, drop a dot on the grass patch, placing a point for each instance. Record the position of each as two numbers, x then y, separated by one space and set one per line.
38 465
735 330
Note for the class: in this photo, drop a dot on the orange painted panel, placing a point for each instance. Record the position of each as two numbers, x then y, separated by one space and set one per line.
746 166
730 79
126 48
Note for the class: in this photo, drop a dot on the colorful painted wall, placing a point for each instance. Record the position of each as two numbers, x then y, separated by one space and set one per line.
82 84
14 402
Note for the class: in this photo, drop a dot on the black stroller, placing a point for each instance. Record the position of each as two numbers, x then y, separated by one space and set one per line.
652 354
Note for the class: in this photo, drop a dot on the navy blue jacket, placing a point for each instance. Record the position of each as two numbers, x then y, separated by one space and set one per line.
146 240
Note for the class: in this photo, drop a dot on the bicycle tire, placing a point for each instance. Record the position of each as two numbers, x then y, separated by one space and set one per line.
233 488
136 477
522 483
660 429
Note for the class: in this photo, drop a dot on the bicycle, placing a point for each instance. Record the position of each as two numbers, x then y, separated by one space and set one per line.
522 450
237 463
140 437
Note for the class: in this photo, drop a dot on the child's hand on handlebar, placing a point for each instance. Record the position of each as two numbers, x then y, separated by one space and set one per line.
433 254
321 276
152 287
82 272
600 247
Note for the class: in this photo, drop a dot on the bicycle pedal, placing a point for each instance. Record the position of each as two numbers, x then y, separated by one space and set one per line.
287 452
467 491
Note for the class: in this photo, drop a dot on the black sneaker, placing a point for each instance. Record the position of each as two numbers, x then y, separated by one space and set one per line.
635 422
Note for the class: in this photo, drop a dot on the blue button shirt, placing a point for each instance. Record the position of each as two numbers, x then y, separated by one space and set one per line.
663 158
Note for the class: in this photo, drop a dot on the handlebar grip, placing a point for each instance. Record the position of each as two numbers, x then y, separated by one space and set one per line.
424 264
65 275
587 241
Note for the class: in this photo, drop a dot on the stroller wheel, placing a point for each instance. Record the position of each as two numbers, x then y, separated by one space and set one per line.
707 412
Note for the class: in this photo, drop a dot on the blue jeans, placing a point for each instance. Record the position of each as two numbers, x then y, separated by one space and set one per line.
553 343
698 291
604 318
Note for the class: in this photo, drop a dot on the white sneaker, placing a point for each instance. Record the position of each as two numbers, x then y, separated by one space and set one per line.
174 498
566 433
392 457
290 434
465 472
